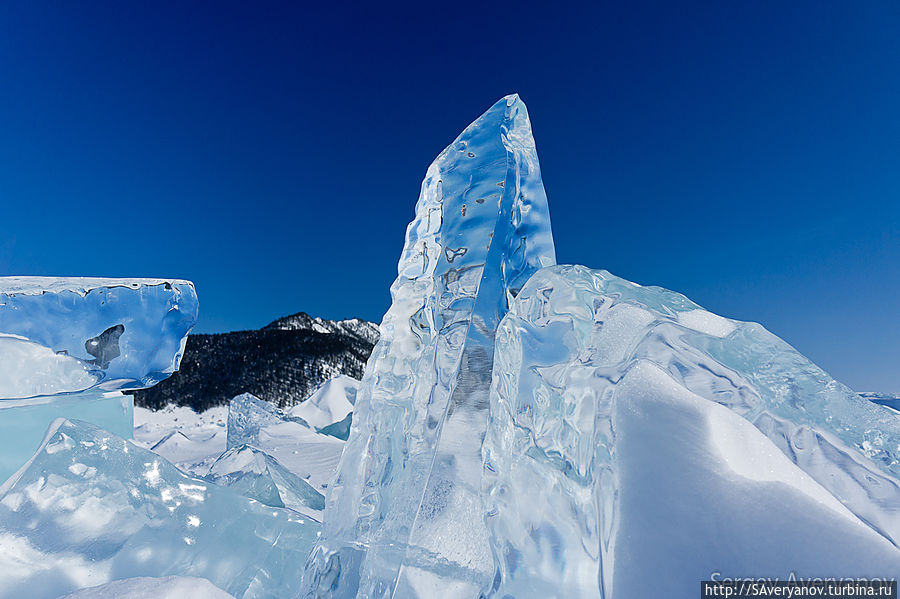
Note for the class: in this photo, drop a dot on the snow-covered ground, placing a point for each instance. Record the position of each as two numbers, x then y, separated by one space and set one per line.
194 441
189 440
170 587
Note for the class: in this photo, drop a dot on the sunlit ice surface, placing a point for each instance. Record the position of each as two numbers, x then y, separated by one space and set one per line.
404 516
60 335
24 422
90 507
631 429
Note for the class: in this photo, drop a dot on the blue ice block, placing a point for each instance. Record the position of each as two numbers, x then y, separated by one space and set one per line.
108 333
23 422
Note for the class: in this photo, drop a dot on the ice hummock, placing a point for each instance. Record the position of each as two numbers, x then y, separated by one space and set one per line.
290 440
68 345
257 475
90 507
249 416
630 429
630 437
405 516
107 333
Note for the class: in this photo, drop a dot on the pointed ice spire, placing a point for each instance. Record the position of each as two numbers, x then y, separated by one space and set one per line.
404 516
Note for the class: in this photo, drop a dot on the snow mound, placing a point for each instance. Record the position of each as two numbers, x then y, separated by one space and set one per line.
329 404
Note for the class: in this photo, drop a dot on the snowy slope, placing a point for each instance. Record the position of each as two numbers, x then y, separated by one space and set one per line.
753 509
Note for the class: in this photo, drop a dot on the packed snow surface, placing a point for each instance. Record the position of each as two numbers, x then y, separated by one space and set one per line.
169 587
189 440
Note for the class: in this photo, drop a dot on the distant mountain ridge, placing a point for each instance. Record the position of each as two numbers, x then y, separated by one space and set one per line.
301 321
283 362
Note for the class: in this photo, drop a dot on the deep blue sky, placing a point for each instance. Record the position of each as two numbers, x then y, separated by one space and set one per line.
745 154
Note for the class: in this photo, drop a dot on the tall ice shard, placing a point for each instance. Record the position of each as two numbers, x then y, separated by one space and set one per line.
631 429
404 517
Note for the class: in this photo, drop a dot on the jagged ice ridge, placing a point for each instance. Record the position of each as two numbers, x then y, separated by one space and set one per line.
522 429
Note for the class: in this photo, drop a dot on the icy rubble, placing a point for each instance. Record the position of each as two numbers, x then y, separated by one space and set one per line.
90 507
575 436
241 456
191 441
242 445
631 427
405 515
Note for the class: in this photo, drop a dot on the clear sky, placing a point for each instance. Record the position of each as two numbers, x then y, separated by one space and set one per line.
745 154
